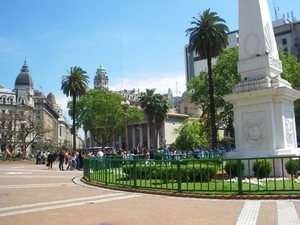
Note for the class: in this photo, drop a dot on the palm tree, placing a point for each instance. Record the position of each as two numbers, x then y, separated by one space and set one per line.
74 85
208 38
148 103
161 110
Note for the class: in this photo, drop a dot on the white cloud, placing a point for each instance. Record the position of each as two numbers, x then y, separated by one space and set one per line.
161 82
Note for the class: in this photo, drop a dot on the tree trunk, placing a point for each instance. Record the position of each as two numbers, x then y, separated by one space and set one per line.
73 128
212 105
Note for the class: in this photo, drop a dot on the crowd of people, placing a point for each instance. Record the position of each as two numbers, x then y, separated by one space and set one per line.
73 160
141 152
67 160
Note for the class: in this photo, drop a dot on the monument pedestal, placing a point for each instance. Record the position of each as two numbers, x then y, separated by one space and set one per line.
264 122
263 102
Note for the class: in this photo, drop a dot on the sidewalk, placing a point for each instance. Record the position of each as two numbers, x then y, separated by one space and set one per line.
32 194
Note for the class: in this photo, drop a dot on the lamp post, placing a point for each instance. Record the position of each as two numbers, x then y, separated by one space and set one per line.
125 105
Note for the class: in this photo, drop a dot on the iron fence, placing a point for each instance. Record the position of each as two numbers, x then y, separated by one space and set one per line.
204 175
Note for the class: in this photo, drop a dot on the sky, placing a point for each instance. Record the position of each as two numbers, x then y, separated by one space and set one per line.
139 43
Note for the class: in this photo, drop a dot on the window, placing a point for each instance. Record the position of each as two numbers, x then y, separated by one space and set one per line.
284 42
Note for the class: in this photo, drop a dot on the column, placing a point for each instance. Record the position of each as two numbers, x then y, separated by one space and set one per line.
141 135
133 136
148 136
120 142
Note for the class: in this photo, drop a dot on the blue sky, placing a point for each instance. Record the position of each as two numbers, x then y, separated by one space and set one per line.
140 43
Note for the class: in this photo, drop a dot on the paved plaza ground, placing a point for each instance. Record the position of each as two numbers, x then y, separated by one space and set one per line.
32 194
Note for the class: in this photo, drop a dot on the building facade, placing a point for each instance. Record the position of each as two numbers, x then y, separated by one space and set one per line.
43 121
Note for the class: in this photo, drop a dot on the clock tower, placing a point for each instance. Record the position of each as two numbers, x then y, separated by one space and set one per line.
100 79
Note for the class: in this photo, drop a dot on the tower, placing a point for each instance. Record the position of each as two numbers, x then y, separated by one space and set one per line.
24 87
100 79
263 102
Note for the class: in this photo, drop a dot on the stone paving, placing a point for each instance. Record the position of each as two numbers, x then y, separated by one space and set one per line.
32 194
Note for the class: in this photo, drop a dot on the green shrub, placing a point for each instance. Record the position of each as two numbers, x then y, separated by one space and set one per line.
168 173
262 168
202 174
292 166
231 168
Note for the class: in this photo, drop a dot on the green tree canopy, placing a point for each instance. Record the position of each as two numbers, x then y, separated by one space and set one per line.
100 112
191 134
291 72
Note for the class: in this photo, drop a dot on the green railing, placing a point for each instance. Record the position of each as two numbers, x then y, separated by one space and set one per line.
196 175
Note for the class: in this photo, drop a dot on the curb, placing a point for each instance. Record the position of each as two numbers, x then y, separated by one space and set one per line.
192 195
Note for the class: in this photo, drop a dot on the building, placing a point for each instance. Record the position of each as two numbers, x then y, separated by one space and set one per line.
100 79
44 116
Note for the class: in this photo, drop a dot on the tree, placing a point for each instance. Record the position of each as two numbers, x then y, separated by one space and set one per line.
191 134
19 128
8 128
291 71
225 77
148 102
75 85
100 112
161 110
208 38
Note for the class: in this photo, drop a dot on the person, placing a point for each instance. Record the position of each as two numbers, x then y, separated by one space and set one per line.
61 158
50 160
100 153
72 162
39 157
81 157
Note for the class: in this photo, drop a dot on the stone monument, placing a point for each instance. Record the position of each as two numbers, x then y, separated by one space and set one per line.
263 102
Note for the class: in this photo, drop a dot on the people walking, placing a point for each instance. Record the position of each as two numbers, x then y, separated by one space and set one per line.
61 158
50 160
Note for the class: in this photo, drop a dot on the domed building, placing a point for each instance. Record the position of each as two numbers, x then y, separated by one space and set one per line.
42 119
51 99
187 107
24 87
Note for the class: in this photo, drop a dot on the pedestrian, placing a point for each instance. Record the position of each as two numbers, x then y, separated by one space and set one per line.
50 160
61 158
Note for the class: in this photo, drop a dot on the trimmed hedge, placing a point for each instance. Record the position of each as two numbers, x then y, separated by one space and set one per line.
231 168
262 168
292 166
167 173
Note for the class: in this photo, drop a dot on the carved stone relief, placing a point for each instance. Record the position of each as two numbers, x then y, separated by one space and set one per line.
254 128
289 134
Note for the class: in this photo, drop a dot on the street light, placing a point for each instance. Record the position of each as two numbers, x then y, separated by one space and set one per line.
125 105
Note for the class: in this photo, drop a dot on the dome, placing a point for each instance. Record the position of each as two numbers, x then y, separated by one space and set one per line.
51 98
101 69
24 77
185 97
